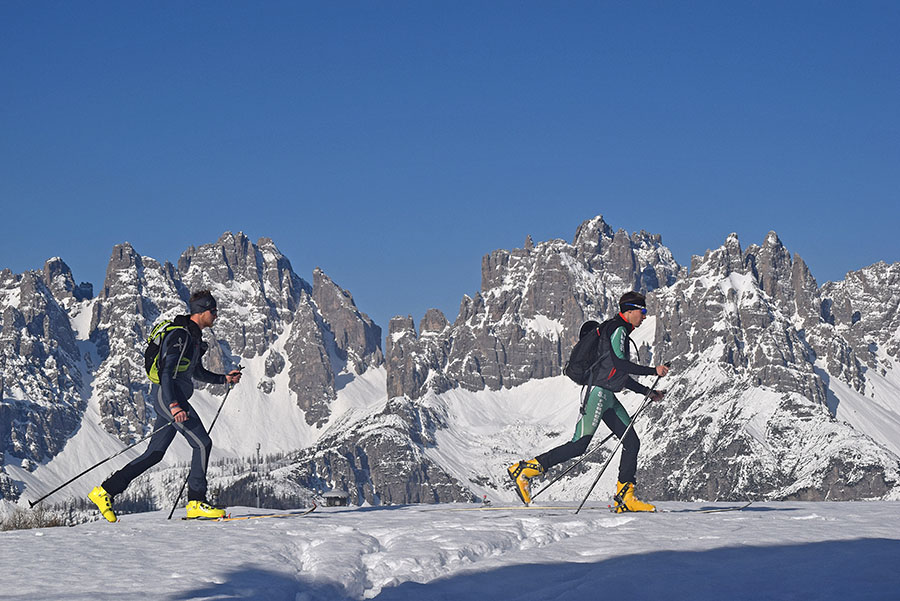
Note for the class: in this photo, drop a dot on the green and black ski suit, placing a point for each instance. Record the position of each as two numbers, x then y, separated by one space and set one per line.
614 374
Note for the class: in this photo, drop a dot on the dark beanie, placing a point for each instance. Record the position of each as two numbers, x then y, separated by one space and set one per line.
203 303
631 301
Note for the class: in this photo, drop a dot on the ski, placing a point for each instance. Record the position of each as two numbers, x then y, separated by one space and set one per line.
511 508
710 509
236 518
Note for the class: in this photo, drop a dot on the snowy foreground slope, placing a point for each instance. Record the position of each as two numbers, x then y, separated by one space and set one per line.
771 551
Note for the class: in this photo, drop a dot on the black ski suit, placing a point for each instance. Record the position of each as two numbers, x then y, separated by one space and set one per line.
175 386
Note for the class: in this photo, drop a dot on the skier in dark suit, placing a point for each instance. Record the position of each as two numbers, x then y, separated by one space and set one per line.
181 350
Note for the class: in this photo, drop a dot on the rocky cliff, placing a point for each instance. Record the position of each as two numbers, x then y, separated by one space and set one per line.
43 388
755 347
522 323
314 332
779 389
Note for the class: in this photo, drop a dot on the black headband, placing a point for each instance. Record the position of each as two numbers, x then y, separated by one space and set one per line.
203 304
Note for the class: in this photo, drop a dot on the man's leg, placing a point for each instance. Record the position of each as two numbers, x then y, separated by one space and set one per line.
618 419
103 495
159 442
522 472
564 452
197 436
584 431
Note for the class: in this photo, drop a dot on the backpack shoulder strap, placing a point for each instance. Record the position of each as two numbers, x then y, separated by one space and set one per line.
161 329
158 334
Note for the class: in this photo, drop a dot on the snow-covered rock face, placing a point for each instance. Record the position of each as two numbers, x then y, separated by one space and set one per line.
865 309
42 390
758 357
58 278
775 383
748 412
381 459
47 383
357 340
532 303
138 291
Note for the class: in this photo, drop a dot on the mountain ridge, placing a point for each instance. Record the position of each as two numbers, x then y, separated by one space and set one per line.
749 331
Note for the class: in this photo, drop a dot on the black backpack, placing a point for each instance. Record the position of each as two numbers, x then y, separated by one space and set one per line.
585 355
587 361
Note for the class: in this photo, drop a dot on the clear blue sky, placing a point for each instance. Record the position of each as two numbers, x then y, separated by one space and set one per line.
393 144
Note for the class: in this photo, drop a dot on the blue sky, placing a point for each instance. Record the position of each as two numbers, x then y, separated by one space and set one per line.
393 144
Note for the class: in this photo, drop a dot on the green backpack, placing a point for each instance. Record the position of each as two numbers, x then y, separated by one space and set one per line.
154 343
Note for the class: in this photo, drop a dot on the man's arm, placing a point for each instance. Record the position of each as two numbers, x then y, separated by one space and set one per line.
634 385
204 375
618 340
174 347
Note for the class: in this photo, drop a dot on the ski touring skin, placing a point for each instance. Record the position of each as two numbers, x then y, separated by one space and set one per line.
236 518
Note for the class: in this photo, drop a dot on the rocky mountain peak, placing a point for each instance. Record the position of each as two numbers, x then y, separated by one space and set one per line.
58 278
231 256
529 243
759 356
260 298
865 309
531 304
772 267
44 392
357 338
404 374
433 322
591 236
726 259
744 326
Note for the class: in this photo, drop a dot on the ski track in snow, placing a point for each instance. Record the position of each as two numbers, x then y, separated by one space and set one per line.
768 551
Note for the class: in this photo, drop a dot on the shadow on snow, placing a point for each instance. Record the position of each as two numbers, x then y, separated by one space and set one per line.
862 570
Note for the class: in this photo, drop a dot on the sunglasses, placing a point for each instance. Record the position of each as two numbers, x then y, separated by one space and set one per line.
214 311
643 309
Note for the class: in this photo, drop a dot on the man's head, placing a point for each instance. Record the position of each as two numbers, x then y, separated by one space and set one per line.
203 308
633 307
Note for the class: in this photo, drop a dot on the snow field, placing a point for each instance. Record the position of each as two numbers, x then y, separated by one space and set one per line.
768 551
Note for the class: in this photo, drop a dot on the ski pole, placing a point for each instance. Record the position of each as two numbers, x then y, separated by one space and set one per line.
184 485
114 455
618 444
572 467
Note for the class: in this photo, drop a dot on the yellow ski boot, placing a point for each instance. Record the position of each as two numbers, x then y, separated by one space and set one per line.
626 501
521 474
203 510
103 501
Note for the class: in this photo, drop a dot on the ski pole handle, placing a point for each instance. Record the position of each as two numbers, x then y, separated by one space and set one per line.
239 369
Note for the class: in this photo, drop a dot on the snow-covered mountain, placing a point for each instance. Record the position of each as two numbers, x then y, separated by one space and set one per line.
780 389
43 393
68 360
762 372
522 324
